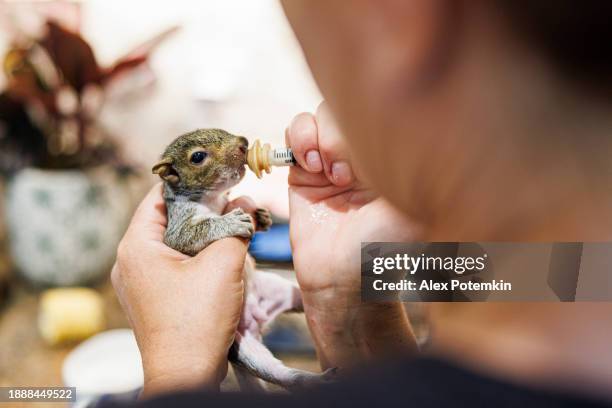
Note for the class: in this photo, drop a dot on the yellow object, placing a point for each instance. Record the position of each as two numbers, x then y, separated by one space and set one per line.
70 314
261 158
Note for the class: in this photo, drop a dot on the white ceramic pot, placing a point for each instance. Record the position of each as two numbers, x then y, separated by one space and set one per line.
64 226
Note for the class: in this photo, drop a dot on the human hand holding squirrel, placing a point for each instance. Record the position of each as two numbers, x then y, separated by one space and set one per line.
184 340
331 212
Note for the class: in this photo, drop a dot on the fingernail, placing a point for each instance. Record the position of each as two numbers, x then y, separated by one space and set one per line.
341 173
313 161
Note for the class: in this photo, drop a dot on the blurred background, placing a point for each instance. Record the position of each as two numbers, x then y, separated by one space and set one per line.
91 93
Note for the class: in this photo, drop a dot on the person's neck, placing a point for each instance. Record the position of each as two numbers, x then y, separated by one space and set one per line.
533 166
561 346
555 205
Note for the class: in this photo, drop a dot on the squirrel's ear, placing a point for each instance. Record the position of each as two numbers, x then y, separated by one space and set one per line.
166 171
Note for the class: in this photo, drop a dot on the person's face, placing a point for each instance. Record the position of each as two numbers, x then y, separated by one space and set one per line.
372 60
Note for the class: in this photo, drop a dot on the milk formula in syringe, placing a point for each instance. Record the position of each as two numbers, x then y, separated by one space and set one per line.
262 157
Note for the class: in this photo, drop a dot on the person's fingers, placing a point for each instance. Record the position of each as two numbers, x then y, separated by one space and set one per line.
223 259
299 177
332 148
301 137
244 202
150 219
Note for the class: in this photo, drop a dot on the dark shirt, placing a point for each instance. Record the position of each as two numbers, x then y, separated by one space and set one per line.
418 383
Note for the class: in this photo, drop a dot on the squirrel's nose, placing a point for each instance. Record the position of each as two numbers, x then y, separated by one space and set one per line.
244 144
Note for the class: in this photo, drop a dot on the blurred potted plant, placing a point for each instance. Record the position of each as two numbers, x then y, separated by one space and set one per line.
66 199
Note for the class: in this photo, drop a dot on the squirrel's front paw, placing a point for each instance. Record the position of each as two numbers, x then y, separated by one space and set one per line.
240 224
263 219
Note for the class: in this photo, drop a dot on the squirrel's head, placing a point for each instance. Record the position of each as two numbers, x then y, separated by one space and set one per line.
205 159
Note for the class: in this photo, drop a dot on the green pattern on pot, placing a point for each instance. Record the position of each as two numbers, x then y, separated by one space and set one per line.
64 226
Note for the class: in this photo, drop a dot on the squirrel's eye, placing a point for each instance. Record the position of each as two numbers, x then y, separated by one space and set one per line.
198 157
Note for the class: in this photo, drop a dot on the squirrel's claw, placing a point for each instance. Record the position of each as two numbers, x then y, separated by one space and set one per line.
239 223
263 219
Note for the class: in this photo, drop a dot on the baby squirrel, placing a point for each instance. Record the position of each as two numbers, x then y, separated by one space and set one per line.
198 169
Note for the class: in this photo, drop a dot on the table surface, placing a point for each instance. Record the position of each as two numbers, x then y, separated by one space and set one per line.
26 360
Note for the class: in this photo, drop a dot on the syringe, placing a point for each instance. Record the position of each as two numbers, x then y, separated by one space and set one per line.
262 158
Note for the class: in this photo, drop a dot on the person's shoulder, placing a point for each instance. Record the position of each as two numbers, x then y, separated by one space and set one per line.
417 382
427 381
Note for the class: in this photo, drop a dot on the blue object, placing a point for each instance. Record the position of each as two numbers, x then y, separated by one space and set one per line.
272 245
288 339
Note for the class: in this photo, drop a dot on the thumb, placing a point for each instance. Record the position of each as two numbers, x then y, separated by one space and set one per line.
223 259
